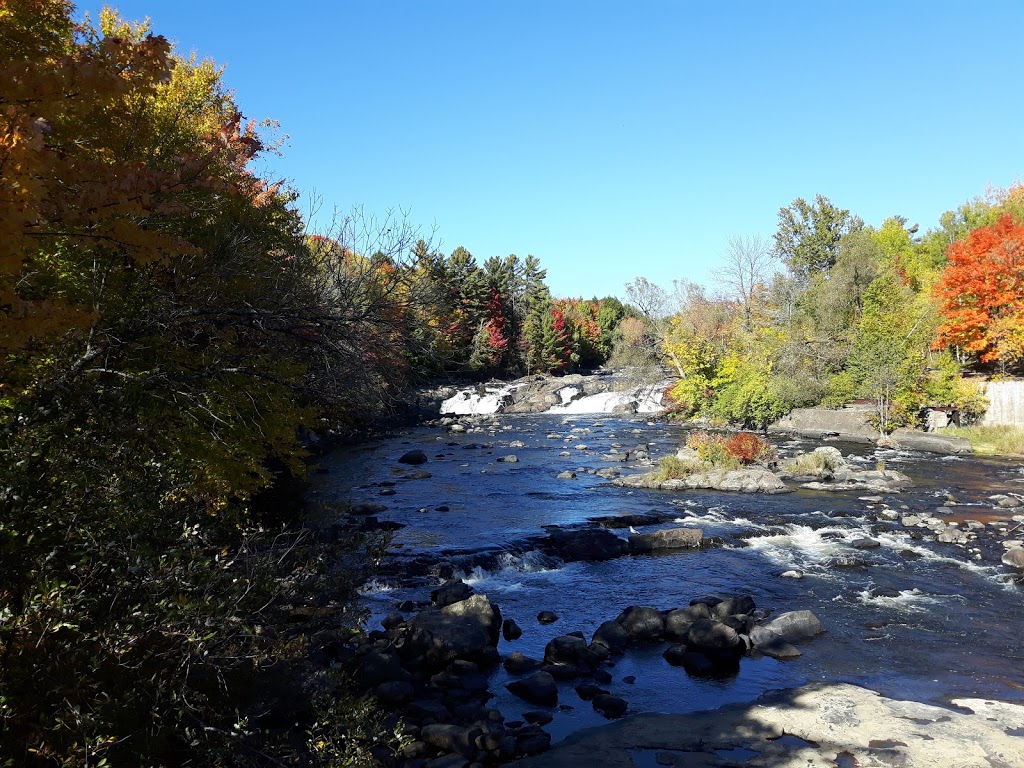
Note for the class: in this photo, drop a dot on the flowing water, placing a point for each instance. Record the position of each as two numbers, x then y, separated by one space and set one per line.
912 619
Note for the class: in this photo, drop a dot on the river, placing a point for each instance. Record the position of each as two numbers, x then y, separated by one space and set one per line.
911 619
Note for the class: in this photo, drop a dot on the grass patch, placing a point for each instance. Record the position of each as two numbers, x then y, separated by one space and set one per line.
674 468
809 463
990 440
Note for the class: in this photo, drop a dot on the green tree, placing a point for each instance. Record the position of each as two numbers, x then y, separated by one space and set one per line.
889 356
808 235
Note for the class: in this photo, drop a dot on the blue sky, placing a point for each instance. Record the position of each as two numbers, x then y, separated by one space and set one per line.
617 139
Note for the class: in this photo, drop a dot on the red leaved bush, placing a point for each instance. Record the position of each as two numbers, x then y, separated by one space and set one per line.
748 447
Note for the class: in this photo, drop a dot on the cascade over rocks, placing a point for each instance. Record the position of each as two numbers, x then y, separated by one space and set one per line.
574 393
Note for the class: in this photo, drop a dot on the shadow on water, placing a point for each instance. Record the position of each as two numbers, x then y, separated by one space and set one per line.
910 617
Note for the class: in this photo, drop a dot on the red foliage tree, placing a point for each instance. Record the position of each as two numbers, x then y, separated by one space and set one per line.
981 293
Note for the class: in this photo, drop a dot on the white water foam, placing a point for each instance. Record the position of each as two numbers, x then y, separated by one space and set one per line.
375 588
566 394
803 547
908 600
646 399
509 565
470 402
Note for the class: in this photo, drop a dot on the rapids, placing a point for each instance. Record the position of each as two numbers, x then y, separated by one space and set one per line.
912 618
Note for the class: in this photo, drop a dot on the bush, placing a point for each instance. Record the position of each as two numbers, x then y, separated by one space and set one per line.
712 449
749 448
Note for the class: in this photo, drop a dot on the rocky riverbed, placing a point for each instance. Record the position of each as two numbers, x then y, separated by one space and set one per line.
915 583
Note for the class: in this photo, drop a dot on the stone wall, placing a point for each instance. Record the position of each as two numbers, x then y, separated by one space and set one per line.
1006 403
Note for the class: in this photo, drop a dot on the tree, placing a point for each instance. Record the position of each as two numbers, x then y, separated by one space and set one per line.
745 273
655 306
167 330
887 362
610 313
979 293
807 239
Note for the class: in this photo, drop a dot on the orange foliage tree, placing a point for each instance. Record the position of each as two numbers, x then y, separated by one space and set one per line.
981 293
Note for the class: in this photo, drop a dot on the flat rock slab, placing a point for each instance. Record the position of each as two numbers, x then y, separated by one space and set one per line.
810 727
750 480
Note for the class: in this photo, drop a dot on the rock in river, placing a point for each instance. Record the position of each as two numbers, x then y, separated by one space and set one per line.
585 544
748 480
413 457
1014 557
539 688
671 538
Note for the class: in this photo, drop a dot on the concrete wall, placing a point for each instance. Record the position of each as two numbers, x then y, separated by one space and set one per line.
1006 403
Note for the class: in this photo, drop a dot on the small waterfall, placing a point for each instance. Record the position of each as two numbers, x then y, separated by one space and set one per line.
1006 403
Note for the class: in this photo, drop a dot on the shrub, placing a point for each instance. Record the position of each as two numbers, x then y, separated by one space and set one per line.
749 448
712 449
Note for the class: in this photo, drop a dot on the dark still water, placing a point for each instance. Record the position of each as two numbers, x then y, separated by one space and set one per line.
911 619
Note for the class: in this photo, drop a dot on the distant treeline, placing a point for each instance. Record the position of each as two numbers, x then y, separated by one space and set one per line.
834 310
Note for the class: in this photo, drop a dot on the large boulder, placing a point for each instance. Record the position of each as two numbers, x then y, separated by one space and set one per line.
539 688
715 640
572 651
929 441
585 544
642 624
734 606
851 423
479 609
612 636
791 627
670 538
1014 557
376 667
610 706
449 738
450 592
679 621
467 629
517 664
